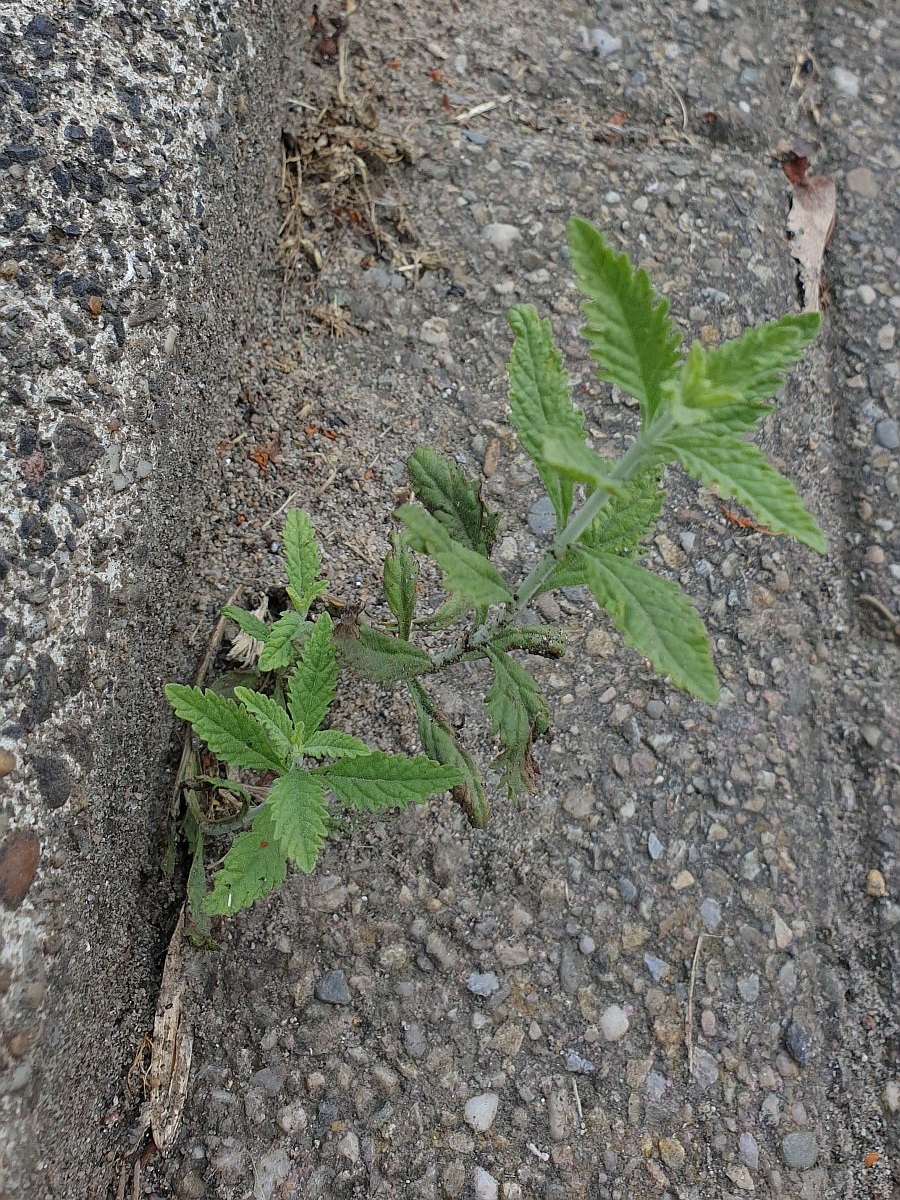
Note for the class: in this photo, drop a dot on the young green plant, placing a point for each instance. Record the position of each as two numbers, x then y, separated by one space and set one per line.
696 407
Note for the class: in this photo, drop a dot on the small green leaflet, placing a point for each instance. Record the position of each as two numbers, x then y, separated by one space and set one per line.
273 719
301 554
253 866
296 802
752 367
519 714
331 743
534 639
246 622
278 651
227 729
312 685
656 618
401 575
380 657
739 469
574 460
541 404
452 499
627 325
380 780
468 573
439 742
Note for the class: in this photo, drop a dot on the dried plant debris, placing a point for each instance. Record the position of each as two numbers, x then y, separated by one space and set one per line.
810 223
335 153
173 1044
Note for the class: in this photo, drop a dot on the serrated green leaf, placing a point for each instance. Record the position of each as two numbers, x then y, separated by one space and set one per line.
739 418
246 622
739 469
299 813
378 780
439 742
401 576
301 555
453 499
541 404
656 618
279 650
468 574
752 367
573 459
274 720
380 657
449 613
627 325
332 743
312 685
253 866
230 733
541 640
518 714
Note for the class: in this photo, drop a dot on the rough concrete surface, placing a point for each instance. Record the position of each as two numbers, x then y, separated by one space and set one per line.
137 180
673 971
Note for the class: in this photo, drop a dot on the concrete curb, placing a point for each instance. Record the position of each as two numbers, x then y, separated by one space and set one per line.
136 149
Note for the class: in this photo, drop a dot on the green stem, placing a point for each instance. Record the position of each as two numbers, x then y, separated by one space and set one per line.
635 460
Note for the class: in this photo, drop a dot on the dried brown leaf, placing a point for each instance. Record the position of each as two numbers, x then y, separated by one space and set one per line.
811 223
173 1045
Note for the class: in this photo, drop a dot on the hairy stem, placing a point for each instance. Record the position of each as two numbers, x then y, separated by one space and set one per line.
636 459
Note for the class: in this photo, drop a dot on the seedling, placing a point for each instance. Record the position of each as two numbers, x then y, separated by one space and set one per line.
695 408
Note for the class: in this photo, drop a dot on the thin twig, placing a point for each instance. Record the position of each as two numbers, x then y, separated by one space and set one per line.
689 1018
874 602
577 1100
676 93
480 109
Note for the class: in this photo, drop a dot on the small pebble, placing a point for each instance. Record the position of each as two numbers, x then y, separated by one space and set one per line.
798 1041
876 887
654 709
891 1096
481 1110
501 237
748 987
654 846
586 944
705 1070
740 1177
671 1152
783 933
867 294
541 516
604 43
332 988
710 913
887 434
485 1185
578 1065
845 81
657 967
800 1150
749 1150
483 984
861 181
627 890
613 1023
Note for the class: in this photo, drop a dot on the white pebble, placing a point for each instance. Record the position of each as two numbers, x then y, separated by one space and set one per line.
891 1096
486 1186
481 1110
613 1023
845 81
500 236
